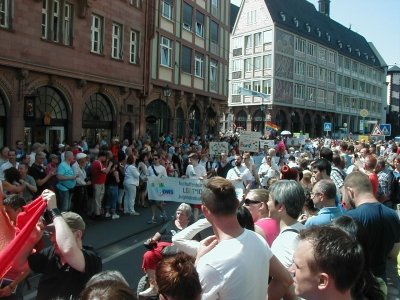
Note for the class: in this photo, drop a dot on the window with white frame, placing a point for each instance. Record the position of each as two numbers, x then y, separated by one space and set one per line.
331 77
199 24
322 74
213 75
347 63
340 80
322 53
330 98
57 19
5 13
332 57
166 9
321 96
187 13
267 87
257 86
248 65
236 65
198 65
300 45
267 36
258 39
267 61
186 60
300 68
299 91
67 24
237 42
116 37
347 81
257 63
97 30
311 71
310 94
311 49
248 41
133 47
235 88
251 17
247 85
165 52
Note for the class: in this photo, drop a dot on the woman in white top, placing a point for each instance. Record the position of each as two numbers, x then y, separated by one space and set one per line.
131 183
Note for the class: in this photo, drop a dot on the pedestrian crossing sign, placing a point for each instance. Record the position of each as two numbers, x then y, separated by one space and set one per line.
386 129
327 126
377 130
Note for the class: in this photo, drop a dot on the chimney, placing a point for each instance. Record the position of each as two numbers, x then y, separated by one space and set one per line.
324 7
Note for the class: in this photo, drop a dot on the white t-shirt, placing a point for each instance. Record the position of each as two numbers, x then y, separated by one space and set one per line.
285 243
161 171
234 174
196 172
237 268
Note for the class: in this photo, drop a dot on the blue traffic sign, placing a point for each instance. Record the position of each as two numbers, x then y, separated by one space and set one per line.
386 129
327 126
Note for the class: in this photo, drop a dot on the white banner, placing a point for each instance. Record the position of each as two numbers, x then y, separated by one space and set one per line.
217 148
175 189
268 143
249 141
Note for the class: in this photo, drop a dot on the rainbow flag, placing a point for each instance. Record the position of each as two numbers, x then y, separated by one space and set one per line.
271 126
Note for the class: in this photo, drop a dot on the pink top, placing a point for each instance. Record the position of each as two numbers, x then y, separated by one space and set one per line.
270 228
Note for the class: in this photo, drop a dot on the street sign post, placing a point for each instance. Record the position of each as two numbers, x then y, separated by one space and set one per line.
327 127
363 113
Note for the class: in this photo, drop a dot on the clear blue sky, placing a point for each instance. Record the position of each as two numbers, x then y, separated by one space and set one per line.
377 21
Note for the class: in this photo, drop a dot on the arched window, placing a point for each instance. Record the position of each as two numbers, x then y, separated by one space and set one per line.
180 123
50 101
241 120
194 121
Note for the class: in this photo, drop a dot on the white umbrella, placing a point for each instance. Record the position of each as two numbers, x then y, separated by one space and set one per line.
286 132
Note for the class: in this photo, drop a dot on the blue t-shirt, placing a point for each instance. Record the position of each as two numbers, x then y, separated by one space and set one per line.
324 216
64 169
383 228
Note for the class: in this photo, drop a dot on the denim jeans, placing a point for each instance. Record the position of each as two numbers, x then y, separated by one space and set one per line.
112 197
65 200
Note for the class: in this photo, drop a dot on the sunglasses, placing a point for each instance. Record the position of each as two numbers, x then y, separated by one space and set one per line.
250 202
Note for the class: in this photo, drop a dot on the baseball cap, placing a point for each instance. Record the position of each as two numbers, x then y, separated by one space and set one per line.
73 220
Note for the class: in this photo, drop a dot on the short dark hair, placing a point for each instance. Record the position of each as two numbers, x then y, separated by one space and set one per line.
108 289
219 196
326 153
333 252
176 277
290 194
322 164
14 201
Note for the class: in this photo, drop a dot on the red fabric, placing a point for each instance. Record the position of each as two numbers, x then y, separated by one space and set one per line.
374 181
26 222
152 257
7 230
97 176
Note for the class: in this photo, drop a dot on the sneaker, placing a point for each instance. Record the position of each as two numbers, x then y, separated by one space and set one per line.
115 216
150 292
107 215
152 221
134 213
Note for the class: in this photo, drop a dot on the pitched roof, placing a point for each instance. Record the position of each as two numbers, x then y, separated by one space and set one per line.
323 30
233 15
394 69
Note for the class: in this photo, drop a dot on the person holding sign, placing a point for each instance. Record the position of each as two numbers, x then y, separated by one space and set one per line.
240 177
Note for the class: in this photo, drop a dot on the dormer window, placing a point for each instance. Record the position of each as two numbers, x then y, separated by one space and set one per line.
283 16
366 55
358 52
308 27
296 22
328 36
373 58
318 32
349 48
340 44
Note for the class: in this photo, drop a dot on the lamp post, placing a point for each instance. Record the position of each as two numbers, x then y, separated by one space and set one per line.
292 116
167 94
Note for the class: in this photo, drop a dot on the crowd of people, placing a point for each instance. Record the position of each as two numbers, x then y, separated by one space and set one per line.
285 222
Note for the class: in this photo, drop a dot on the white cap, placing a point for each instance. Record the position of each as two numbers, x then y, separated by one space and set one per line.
80 155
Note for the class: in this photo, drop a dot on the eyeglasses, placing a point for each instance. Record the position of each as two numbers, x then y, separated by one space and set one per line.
155 158
250 202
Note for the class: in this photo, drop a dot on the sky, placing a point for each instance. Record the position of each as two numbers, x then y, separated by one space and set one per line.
377 21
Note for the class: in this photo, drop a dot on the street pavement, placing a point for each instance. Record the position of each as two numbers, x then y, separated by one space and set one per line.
120 244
